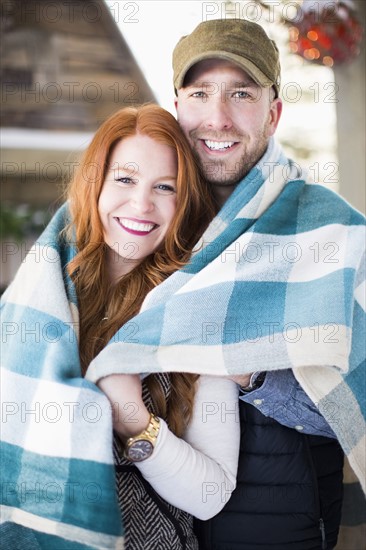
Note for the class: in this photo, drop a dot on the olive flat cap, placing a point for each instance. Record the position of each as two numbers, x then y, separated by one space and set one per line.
237 40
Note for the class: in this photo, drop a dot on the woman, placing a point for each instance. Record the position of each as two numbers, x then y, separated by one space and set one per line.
137 207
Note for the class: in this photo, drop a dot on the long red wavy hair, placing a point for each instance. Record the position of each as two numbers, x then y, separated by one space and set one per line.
96 299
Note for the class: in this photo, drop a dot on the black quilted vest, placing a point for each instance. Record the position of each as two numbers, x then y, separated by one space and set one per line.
288 494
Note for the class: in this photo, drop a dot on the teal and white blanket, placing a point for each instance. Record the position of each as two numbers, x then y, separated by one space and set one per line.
277 282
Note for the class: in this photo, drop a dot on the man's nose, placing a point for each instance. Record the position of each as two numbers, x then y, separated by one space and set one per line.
218 114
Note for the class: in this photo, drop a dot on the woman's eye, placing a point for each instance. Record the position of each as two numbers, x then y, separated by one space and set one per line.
124 180
165 188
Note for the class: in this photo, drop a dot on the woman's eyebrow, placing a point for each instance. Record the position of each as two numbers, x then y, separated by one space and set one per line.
127 167
168 178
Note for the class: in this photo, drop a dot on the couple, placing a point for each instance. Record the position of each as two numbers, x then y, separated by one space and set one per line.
176 434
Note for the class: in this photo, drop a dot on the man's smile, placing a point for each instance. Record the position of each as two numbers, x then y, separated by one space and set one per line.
211 145
218 145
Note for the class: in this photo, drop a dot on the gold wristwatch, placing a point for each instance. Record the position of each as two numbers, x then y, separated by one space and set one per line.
141 446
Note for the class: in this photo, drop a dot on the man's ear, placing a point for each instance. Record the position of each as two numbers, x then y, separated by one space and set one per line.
176 103
274 115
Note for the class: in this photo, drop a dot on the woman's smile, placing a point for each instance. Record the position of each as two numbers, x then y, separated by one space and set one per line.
136 227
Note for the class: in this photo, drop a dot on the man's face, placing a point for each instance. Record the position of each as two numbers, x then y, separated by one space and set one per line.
228 120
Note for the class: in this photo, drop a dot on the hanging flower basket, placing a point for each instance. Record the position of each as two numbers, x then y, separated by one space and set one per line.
326 32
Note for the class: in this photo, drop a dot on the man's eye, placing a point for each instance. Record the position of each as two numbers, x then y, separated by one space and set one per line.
241 95
198 94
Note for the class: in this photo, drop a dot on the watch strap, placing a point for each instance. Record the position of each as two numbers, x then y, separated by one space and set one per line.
149 434
255 382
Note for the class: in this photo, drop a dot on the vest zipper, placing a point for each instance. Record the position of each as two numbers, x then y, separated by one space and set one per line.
322 530
324 544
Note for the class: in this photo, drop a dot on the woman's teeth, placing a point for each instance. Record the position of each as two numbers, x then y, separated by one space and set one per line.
136 226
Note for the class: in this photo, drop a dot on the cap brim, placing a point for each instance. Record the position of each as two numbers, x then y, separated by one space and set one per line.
242 62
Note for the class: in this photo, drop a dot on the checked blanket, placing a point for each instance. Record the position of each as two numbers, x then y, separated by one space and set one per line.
277 281
57 469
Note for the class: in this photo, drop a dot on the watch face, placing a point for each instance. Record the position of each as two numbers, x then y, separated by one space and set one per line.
140 450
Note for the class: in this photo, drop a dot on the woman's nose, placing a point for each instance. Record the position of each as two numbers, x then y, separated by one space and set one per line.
142 201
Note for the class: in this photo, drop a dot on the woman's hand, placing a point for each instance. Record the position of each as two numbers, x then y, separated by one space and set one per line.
124 391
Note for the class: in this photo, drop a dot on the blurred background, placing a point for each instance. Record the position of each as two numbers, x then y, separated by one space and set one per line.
67 65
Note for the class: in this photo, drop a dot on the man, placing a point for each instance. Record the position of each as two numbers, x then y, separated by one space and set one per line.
289 491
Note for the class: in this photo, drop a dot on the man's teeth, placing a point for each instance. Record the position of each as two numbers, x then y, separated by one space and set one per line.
135 226
218 145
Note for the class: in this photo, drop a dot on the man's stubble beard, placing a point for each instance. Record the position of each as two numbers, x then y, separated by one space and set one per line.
217 174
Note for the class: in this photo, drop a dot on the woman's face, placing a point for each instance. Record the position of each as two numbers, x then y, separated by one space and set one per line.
138 200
